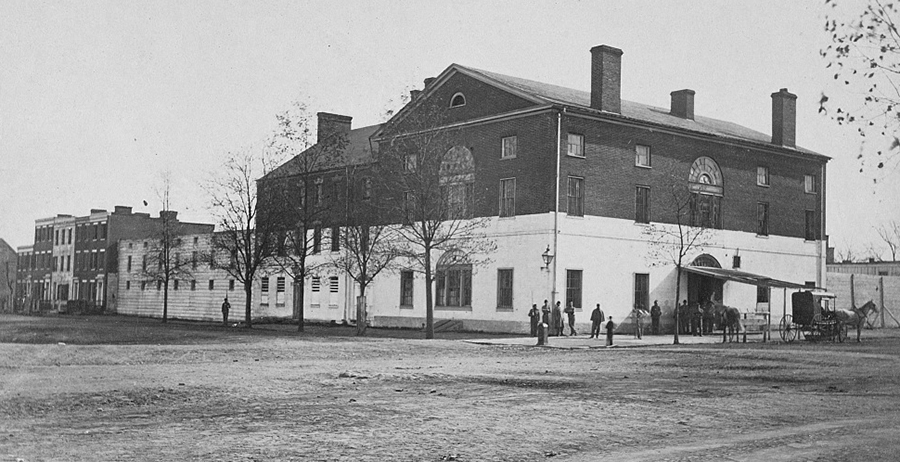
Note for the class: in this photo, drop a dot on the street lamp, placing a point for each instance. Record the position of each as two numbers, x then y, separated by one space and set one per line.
548 258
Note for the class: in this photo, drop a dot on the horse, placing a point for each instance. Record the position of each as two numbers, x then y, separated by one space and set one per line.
856 316
730 317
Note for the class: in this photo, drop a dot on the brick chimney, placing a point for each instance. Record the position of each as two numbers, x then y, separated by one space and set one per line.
414 94
171 215
428 81
122 210
332 124
683 104
606 78
784 118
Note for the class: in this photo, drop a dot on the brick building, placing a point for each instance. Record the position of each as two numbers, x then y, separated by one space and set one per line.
24 267
8 276
582 174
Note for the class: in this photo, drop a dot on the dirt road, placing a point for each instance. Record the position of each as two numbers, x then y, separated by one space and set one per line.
197 392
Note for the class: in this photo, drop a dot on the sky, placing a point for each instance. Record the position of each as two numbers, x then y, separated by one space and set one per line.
98 99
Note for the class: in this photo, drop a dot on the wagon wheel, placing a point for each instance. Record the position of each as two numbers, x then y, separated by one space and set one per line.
841 332
788 330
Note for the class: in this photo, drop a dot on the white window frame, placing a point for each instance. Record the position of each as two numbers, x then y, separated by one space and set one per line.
762 176
810 184
453 98
637 156
579 138
508 147
507 202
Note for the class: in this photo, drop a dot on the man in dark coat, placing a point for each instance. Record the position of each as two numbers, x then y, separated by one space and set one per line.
556 320
570 314
610 327
535 316
597 318
225 307
545 314
655 313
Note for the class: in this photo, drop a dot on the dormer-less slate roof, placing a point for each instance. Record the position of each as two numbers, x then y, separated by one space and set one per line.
554 94
356 152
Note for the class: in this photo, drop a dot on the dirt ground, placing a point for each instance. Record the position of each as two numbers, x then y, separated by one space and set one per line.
116 388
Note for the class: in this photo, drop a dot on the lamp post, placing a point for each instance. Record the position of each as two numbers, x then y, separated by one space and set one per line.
548 258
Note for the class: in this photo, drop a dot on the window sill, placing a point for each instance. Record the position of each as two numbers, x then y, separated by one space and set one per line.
507 157
762 236
453 308
648 167
510 217
575 217
407 307
574 156
763 185
505 309
642 224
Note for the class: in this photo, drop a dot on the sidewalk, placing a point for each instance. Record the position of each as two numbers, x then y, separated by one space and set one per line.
584 342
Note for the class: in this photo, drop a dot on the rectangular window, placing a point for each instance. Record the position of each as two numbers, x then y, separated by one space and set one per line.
575 195
762 176
56 237
68 263
55 263
409 162
809 184
279 291
231 284
508 147
335 239
458 200
70 235
101 259
316 284
366 189
573 288
706 211
128 267
96 231
406 288
576 145
642 291
264 291
212 284
127 285
158 285
317 239
762 294
333 284
762 218
641 155
143 263
508 197
143 285
642 204
505 289
453 286
812 226
102 230
193 285
409 207
175 285
194 260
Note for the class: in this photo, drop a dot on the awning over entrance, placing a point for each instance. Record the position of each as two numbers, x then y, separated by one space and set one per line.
742 277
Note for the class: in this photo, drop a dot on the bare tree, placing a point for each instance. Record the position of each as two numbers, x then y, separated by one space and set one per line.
367 247
299 203
864 55
165 259
890 234
431 179
10 283
684 228
247 241
846 254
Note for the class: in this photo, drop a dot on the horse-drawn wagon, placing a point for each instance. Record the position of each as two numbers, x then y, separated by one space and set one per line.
814 315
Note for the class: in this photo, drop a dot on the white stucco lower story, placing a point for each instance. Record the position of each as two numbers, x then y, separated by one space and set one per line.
608 253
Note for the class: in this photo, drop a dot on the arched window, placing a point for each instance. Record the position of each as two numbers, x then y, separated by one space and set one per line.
453 281
706 260
707 187
458 100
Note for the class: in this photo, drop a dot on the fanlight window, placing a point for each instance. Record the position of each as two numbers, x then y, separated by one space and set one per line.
458 100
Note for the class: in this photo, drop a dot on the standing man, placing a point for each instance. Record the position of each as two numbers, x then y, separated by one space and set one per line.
545 315
225 307
556 318
570 313
655 313
535 316
597 318
610 325
638 315
697 321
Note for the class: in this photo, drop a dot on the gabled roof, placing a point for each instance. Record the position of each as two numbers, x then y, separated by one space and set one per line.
554 94
356 152
5 245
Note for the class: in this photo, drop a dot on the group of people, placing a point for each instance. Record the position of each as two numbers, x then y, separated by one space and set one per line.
552 318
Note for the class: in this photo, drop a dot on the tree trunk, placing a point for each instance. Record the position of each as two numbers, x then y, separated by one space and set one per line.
429 296
248 293
165 300
299 288
361 323
677 298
